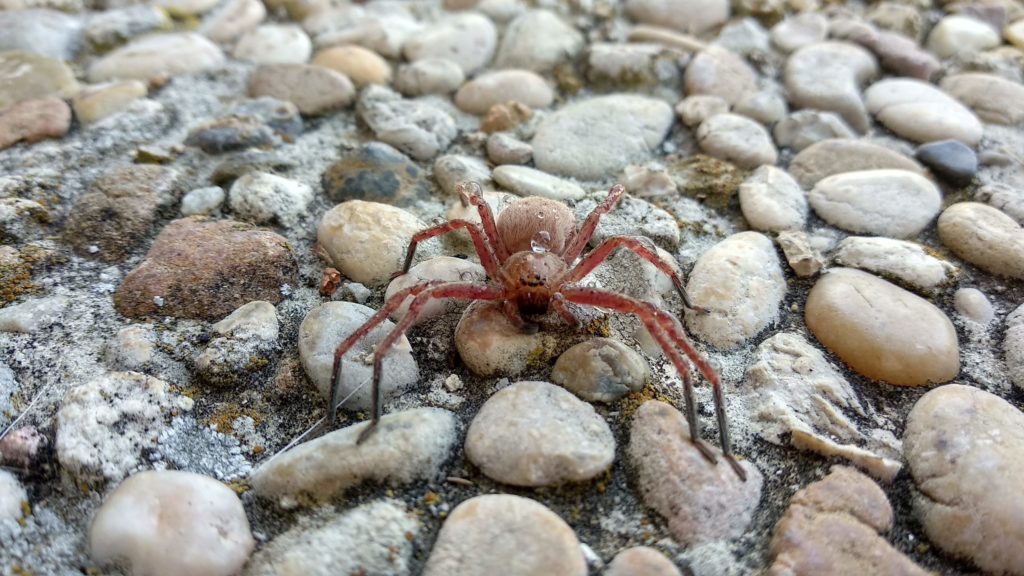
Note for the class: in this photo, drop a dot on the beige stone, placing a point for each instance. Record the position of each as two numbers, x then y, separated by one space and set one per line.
641 561
367 241
985 237
362 66
881 330
97 102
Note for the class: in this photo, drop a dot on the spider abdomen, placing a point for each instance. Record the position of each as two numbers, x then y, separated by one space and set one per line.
536 224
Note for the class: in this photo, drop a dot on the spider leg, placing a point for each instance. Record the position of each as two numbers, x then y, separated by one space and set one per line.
476 198
579 241
457 290
483 250
558 303
602 252
669 334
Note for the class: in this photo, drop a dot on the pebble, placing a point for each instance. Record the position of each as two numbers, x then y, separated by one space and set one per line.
274 44
182 8
1014 33
361 66
504 117
264 198
800 30
376 172
577 140
444 268
30 76
31 121
468 39
314 90
772 201
12 496
964 447
231 134
955 34
1013 346
690 16
993 99
1006 198
131 348
695 109
205 269
370 539
25 448
538 40
104 30
908 263
702 502
406 446
892 203
985 237
765 106
452 169
157 55
807 127
504 149
119 210
746 36
384 29
973 305
950 160
921 112
170 522
900 55
600 370
847 68
846 507
632 66
526 181
105 426
716 71
829 157
202 201
232 19
801 256
739 282
505 534
537 434
244 345
367 241
882 331
656 34
47 33
414 127
94 103
325 327
481 93
641 561
737 139
633 217
490 345
429 76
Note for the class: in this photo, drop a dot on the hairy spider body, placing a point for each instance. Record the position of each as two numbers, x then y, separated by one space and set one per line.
532 256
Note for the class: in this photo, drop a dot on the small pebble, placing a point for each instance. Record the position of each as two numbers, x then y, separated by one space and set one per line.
765 106
274 44
263 198
376 172
95 103
504 149
169 522
800 254
632 66
131 348
232 19
716 71
921 112
1007 199
12 496
429 76
600 370
537 434
739 282
526 181
965 450
954 34
405 447
33 315
538 40
900 55
641 561
828 76
505 534
505 117
691 16
246 341
325 327
156 55
202 201
882 331
985 237
1013 346
30 121
361 66
481 93
444 268
418 129
992 98
892 203
772 201
44 32
695 109
950 160
906 262
702 502
807 127
746 36
231 134
737 139
468 39
30 76
973 305
25 448
800 30
314 90
829 157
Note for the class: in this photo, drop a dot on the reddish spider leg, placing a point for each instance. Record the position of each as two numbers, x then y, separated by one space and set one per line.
483 250
579 241
669 334
602 252
476 198
423 293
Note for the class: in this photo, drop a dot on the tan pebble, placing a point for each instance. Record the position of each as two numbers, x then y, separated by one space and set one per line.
641 561
367 241
881 330
985 237
97 102
362 66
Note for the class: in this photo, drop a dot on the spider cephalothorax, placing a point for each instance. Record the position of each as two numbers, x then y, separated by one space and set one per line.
532 256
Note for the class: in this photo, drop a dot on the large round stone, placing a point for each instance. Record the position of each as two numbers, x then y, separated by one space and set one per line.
893 203
881 330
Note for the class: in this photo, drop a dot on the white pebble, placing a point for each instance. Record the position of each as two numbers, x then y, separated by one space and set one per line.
202 201
972 304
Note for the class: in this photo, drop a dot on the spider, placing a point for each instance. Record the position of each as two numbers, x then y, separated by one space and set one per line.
530 256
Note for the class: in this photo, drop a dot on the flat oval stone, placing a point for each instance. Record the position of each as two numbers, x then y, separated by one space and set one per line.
881 330
641 561
360 65
31 121
149 57
468 38
739 282
737 139
829 76
274 44
965 449
526 181
594 138
313 89
508 535
523 86
429 76
806 127
800 30
906 262
956 33
893 203
44 32
921 112
985 237
950 160
993 98
829 157
772 201
538 40
600 370
231 20
972 304
30 76
537 434
716 71
691 16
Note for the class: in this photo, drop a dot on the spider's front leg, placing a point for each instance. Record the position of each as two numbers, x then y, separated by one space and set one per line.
483 250
579 241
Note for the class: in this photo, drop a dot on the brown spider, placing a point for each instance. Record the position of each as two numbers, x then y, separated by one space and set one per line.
529 261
